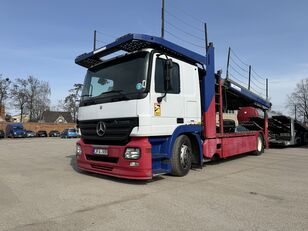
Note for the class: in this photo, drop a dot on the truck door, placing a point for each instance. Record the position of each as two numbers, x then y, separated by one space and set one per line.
169 113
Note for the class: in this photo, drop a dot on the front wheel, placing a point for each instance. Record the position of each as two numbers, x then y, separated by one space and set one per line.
260 146
181 156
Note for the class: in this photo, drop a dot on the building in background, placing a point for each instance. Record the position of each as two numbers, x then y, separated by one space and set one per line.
17 118
56 117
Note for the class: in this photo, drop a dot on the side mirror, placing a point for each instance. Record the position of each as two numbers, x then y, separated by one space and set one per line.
168 80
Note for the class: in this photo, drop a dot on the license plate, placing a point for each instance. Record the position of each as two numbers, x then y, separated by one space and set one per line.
100 151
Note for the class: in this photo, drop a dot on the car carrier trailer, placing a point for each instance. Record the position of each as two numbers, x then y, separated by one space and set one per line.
152 110
283 130
286 131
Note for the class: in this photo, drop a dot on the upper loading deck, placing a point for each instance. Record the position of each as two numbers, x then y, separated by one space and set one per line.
238 94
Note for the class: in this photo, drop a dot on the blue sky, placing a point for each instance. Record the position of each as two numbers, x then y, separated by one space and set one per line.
42 38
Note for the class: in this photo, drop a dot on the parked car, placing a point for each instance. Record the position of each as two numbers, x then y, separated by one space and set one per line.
69 133
30 133
54 133
15 130
41 133
2 135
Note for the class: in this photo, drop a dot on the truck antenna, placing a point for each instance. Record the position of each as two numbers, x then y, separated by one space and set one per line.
206 37
249 77
163 19
267 91
228 63
94 41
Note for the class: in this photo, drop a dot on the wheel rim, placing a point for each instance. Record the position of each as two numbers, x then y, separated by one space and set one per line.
184 156
259 147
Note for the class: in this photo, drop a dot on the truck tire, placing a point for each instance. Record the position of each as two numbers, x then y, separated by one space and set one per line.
181 156
260 146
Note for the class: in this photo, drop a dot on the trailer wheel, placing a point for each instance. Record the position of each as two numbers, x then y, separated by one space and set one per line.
260 146
181 156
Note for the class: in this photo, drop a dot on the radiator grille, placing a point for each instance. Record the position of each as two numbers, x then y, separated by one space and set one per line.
117 131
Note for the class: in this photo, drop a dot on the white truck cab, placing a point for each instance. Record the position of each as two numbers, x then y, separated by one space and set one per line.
129 87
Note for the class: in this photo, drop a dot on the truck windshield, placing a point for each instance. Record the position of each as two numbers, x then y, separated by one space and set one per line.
122 78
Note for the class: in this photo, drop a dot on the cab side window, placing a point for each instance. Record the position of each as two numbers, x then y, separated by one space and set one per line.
160 74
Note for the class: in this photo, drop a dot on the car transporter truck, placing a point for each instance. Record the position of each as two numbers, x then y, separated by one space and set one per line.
153 109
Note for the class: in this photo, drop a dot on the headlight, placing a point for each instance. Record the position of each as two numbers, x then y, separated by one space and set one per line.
132 153
78 150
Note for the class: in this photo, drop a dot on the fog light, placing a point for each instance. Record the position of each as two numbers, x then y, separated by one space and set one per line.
132 153
134 164
78 150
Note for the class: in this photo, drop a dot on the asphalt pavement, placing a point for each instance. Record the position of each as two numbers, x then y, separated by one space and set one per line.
41 189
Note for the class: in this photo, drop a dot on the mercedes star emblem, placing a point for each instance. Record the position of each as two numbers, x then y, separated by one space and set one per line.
100 128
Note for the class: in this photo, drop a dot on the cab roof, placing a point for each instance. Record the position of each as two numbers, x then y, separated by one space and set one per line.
135 42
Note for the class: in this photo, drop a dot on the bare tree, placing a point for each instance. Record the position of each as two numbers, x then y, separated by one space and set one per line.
59 106
298 101
71 102
38 97
4 89
32 89
19 95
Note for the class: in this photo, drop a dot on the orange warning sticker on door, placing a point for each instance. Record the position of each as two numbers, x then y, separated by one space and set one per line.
156 109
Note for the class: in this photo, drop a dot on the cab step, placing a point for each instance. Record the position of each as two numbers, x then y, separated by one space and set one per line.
159 172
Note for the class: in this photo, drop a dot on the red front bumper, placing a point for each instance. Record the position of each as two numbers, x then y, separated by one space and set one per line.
115 164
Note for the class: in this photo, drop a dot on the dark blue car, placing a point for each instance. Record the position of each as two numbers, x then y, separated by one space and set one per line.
15 130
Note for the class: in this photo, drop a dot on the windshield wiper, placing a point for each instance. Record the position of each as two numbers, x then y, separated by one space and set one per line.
86 96
116 98
89 101
121 97
113 91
